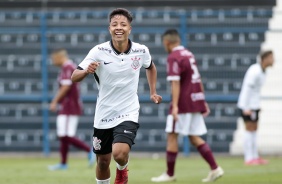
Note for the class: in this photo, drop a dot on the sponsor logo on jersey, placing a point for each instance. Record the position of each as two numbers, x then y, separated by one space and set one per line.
197 96
114 118
138 50
96 143
105 49
135 63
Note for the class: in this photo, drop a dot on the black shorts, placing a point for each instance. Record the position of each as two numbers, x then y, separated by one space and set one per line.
103 139
254 117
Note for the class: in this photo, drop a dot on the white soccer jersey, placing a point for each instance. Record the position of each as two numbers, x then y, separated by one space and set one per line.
249 98
117 79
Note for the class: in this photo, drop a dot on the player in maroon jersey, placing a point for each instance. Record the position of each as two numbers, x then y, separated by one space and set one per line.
68 104
187 109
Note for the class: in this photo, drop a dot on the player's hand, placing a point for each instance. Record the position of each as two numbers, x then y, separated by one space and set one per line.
247 112
92 67
174 113
53 106
207 112
156 98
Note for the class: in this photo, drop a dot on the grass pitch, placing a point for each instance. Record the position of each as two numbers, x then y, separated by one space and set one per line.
189 170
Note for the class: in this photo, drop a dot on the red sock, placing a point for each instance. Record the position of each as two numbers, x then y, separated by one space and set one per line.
78 143
64 149
170 162
206 153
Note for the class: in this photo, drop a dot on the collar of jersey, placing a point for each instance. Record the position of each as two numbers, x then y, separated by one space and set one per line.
179 47
118 52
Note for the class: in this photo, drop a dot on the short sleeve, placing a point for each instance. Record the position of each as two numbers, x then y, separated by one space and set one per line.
147 58
173 69
66 75
90 58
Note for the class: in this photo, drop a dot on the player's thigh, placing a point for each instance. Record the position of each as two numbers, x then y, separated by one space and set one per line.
178 127
197 125
125 133
102 141
251 125
61 125
72 125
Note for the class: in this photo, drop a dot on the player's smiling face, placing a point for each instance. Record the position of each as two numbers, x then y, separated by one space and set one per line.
119 28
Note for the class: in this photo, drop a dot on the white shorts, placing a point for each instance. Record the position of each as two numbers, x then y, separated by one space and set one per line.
66 125
187 124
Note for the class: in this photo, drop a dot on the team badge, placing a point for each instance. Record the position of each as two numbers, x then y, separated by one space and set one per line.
96 143
135 63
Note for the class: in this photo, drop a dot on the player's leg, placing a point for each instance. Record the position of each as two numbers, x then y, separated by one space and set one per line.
171 153
61 124
103 174
124 135
71 132
198 128
251 156
102 147
249 149
172 129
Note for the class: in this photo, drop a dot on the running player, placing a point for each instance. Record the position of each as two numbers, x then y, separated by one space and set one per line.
116 66
187 108
69 110
249 105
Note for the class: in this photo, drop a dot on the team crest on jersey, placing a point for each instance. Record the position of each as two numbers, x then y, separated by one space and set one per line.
135 63
96 143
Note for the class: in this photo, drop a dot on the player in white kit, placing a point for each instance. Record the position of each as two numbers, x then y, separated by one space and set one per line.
249 105
116 66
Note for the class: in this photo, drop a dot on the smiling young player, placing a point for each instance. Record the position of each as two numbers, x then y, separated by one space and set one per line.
116 66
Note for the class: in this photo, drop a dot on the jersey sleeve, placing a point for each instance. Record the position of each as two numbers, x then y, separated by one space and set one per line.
173 69
66 76
90 58
147 59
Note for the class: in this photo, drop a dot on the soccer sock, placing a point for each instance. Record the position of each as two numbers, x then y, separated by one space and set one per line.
170 162
255 147
107 181
206 153
248 142
64 148
78 143
119 167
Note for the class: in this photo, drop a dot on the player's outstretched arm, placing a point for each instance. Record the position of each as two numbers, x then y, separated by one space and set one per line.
152 80
79 75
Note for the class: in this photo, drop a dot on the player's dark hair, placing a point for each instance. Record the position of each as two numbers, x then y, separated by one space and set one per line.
172 32
121 11
265 54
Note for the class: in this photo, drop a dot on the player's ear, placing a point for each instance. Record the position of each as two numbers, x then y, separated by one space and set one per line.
130 29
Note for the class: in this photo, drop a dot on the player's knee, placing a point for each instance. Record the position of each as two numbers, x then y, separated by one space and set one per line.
103 163
120 156
196 140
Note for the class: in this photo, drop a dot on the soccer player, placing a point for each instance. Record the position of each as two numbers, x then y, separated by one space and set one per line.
67 103
187 108
249 105
116 66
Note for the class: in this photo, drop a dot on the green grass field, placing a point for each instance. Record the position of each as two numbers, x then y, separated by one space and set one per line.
189 170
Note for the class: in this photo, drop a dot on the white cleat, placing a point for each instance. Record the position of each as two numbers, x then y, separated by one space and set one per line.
163 178
214 175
